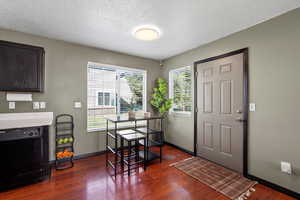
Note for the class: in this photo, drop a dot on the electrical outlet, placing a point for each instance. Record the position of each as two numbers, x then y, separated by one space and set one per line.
12 105
36 105
42 105
286 167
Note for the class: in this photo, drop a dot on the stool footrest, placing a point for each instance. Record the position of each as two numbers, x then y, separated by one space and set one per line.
126 156
111 149
133 163
111 135
111 164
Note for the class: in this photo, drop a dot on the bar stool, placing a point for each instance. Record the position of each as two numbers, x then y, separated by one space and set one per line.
122 147
117 151
129 138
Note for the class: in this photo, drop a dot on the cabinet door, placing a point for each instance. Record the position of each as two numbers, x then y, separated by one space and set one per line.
21 67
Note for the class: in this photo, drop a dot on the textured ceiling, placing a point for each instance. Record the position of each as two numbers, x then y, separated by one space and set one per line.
108 24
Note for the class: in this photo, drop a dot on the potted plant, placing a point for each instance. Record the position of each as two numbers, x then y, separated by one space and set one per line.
131 113
160 101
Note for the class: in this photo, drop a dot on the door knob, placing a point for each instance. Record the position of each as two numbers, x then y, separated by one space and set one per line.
238 111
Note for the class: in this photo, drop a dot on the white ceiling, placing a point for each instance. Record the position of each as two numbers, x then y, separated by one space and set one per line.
108 24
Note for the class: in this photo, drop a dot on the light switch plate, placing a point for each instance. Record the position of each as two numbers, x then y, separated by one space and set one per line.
77 104
252 107
286 167
11 105
36 105
42 105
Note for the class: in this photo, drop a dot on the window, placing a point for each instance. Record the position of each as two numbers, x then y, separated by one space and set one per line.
100 98
106 99
180 82
113 90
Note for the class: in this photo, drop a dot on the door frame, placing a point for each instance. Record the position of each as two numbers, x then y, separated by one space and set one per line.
245 52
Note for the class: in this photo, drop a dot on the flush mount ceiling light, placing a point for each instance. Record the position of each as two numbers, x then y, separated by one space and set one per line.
146 32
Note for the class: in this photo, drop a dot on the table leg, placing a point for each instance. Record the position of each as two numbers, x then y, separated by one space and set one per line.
147 141
160 153
106 143
129 155
161 145
122 153
116 150
136 150
145 154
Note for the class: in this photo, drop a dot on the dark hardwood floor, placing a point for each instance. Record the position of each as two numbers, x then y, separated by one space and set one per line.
89 180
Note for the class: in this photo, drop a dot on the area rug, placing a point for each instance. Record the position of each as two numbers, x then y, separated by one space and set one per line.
230 183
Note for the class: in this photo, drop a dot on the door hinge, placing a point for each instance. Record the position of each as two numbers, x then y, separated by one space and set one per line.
196 74
196 110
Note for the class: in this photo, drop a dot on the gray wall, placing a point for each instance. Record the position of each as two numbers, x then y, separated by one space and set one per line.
274 86
66 82
274 136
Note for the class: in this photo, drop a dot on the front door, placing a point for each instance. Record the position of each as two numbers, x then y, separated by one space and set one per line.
221 110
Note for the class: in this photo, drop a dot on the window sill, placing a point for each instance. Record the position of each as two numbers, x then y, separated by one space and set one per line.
181 114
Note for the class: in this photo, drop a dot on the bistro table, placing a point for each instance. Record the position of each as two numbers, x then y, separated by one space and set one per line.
145 129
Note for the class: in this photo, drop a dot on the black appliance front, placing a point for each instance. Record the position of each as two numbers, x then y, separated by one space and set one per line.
24 156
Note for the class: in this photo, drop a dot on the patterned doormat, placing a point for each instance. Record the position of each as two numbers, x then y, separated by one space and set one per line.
223 180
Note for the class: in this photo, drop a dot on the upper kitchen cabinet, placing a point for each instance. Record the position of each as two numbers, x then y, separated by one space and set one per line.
21 67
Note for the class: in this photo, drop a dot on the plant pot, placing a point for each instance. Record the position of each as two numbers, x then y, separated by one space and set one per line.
147 114
131 115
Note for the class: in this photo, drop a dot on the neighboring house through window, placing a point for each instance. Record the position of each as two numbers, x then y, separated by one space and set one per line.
105 99
180 84
100 98
113 90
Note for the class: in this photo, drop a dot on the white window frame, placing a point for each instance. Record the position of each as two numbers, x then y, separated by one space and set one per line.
171 91
108 66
